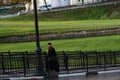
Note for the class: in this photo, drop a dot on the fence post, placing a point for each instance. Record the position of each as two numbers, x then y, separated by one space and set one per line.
114 58
46 65
83 55
66 62
111 57
3 66
24 66
97 63
100 57
10 60
104 61
87 62
27 60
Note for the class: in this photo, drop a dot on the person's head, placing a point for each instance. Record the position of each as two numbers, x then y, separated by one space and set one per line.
49 45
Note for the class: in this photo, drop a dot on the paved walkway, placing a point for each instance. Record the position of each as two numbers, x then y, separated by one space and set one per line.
100 76
108 76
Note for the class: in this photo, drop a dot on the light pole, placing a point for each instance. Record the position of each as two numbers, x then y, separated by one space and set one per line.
38 49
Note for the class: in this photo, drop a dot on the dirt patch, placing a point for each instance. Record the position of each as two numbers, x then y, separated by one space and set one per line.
64 35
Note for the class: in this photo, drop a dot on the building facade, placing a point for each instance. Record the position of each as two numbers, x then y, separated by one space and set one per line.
53 3
63 3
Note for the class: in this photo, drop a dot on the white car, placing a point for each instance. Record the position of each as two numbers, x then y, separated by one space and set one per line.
45 7
22 12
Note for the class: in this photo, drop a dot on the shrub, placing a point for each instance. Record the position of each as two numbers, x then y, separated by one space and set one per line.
115 15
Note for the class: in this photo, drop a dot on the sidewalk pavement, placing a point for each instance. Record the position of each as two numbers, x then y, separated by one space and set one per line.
104 76
100 76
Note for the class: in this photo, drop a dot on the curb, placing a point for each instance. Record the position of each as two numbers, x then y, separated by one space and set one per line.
66 75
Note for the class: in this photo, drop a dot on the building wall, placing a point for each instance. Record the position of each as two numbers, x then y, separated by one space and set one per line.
60 3
74 2
32 7
56 3
91 1
65 3
40 3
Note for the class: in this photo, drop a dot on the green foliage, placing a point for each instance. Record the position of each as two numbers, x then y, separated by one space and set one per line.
81 14
104 17
115 15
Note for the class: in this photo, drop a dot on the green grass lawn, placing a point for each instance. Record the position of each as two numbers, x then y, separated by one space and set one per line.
85 44
56 26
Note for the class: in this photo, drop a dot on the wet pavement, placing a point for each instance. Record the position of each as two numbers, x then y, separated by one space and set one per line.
103 76
108 76
100 76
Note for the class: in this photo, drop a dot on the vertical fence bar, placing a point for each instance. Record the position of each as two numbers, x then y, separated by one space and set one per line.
114 58
27 60
10 64
87 62
83 55
3 66
47 65
100 62
110 58
24 66
104 61
66 62
97 63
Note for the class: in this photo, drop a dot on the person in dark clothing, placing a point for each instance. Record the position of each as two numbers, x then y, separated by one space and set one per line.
52 60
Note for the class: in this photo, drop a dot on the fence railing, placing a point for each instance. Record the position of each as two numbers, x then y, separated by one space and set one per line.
73 33
19 64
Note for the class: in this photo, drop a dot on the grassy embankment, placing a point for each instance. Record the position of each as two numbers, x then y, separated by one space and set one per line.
16 26
100 12
55 20
66 20
85 44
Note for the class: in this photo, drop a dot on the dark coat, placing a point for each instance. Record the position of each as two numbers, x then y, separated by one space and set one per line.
52 61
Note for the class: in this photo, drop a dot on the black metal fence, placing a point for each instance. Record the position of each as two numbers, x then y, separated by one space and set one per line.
19 64
66 34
